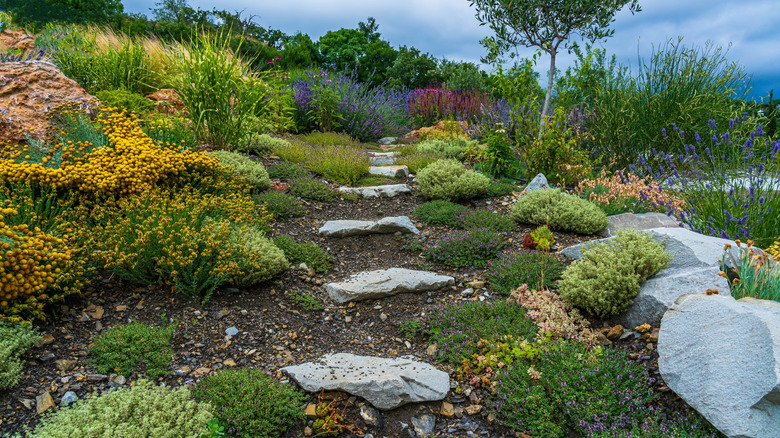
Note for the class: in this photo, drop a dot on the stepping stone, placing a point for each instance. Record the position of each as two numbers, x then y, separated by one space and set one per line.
385 383
386 282
382 158
386 140
639 222
388 225
390 190
391 171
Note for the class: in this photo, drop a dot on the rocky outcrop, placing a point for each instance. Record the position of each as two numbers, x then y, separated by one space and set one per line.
16 40
388 225
722 357
382 283
28 91
385 383
637 221
167 101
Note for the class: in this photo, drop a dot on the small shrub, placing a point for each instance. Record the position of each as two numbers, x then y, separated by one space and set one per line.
308 188
122 99
375 180
329 139
554 316
606 280
170 132
467 248
501 187
261 144
253 171
411 328
449 179
143 410
15 340
287 171
123 348
260 259
559 211
307 252
537 269
345 164
541 238
304 299
410 243
458 328
758 275
454 147
573 388
250 403
774 250
439 212
281 205
484 219
625 192
416 162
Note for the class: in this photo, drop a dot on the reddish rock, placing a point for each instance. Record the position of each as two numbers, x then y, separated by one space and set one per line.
29 90
16 40
615 332
168 101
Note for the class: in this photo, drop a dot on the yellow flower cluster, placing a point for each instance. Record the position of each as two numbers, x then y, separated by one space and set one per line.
31 261
628 186
774 250
130 165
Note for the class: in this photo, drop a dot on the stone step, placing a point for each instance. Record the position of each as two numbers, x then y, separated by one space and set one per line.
382 158
390 190
391 171
385 282
387 225
385 383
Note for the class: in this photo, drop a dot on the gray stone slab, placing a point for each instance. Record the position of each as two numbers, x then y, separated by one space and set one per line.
386 282
637 221
387 225
389 191
391 171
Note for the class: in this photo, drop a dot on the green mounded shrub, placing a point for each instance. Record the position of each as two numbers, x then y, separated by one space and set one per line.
308 188
510 271
307 252
329 139
608 277
466 248
306 300
123 348
481 218
123 99
281 205
559 211
252 170
286 171
145 410
457 328
260 144
573 389
439 212
260 259
15 340
449 179
249 403
501 187
416 162
454 147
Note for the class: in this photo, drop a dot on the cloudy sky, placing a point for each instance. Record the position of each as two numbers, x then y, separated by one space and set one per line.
448 28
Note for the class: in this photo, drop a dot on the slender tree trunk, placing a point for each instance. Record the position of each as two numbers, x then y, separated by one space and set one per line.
548 94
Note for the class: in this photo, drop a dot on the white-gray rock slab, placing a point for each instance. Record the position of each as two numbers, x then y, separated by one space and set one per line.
390 190
391 171
387 225
386 140
385 383
382 158
637 221
538 183
385 282
722 357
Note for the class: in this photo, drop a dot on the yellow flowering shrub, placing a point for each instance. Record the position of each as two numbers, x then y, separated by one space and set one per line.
627 192
774 250
132 163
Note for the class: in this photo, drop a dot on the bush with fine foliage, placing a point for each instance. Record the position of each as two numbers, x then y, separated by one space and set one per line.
261 144
439 212
608 278
559 211
306 252
454 147
145 410
281 205
308 188
123 99
260 259
250 403
253 171
14 341
449 179
287 171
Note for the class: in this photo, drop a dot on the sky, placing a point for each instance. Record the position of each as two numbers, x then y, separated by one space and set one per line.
448 28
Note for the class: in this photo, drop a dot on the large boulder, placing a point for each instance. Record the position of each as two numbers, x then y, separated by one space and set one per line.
722 356
385 282
538 183
385 383
637 221
16 40
387 225
29 90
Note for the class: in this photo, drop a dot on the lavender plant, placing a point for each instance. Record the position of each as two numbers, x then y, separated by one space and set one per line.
730 181
467 248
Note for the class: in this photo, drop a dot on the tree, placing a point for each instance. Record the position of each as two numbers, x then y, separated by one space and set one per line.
546 24
413 69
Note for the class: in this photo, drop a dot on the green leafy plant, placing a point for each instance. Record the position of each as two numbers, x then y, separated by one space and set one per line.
439 212
259 260
287 171
409 243
417 162
123 348
260 144
608 277
501 187
410 328
122 99
307 252
472 247
344 164
450 180
542 238
253 171
308 188
15 340
329 139
375 180
536 269
481 218
281 205
304 299
559 211
249 403
499 158
143 410
455 147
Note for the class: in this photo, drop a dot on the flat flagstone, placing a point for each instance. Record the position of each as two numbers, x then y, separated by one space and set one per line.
391 171
385 282
390 190
387 225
